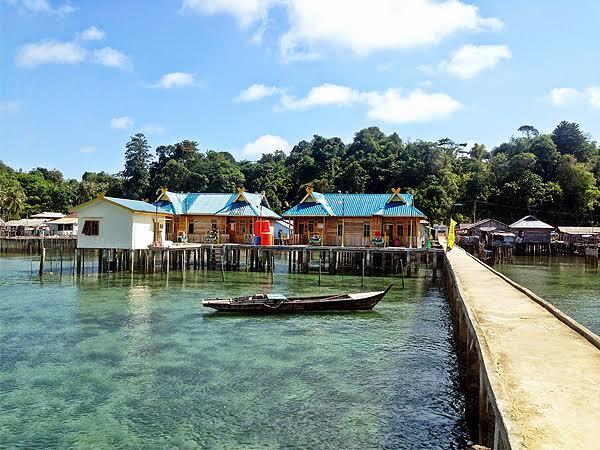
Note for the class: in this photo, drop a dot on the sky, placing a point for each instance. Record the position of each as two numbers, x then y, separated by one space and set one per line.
78 78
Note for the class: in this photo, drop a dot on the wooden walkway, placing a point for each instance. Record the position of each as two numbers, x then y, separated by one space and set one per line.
541 368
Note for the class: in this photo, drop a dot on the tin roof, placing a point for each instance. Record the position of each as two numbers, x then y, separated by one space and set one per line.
579 230
48 215
220 204
33 223
530 222
64 220
354 205
136 205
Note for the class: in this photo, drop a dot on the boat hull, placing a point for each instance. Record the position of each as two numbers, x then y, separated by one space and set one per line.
350 302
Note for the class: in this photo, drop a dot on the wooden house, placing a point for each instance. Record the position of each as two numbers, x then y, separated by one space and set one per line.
356 219
581 236
530 230
231 216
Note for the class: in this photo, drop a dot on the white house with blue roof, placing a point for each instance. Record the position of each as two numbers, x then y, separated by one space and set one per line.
118 223
356 219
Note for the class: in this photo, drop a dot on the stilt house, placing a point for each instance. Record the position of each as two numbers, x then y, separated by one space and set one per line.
356 219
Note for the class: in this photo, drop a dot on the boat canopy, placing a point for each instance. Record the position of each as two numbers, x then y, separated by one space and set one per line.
276 297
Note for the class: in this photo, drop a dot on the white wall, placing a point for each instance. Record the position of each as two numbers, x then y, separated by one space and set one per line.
143 230
118 228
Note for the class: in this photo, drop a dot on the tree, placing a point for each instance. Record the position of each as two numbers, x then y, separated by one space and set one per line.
14 201
528 131
568 137
479 152
136 175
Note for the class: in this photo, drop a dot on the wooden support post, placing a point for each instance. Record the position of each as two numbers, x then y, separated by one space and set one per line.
42 260
402 270
362 280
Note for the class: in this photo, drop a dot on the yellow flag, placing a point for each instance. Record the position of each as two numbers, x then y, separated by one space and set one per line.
451 234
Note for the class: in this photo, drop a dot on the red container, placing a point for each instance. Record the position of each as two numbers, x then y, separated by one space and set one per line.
266 239
261 226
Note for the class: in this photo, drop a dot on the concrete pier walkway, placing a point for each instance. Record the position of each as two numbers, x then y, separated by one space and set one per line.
542 374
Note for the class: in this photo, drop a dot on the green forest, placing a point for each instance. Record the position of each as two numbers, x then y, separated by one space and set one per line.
553 176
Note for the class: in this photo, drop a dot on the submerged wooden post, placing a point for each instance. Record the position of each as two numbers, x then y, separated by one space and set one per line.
402 270
42 260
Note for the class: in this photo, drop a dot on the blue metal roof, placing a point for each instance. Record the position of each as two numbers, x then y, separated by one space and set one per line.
355 205
137 205
221 204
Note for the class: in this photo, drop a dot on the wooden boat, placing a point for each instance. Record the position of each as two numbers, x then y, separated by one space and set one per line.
275 303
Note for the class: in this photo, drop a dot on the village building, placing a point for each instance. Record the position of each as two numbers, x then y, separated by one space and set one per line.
26 227
229 217
356 220
117 223
65 226
483 232
47 215
579 236
530 230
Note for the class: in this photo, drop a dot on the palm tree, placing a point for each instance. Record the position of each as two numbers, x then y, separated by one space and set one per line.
2 201
14 201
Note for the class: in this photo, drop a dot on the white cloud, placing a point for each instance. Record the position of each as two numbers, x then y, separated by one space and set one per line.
9 106
152 128
71 52
257 92
247 12
123 122
425 83
110 57
87 149
325 94
391 105
42 7
416 106
91 34
356 25
469 60
267 143
175 80
47 52
564 96
593 93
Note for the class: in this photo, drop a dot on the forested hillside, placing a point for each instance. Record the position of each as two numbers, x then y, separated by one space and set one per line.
554 176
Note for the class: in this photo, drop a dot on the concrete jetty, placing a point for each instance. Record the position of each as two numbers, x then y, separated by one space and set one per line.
532 374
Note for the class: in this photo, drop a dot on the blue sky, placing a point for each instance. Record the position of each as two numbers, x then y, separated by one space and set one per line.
78 78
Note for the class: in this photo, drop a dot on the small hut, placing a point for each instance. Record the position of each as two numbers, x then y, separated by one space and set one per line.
531 230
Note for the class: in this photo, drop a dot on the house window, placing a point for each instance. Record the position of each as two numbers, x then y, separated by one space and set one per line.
91 228
400 230
191 228
213 225
340 228
301 228
311 227
366 229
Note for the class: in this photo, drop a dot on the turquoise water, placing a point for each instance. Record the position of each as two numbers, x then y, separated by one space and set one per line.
135 362
566 282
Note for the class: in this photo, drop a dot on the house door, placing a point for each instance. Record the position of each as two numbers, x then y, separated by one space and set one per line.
388 231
